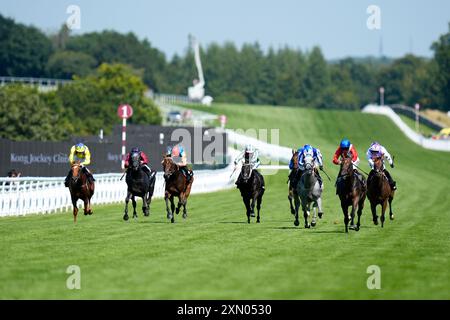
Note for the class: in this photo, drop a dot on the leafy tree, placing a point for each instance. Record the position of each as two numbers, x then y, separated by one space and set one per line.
25 115
66 64
24 51
441 71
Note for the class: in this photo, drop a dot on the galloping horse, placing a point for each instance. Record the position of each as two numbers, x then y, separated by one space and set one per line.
176 186
351 192
379 192
293 179
252 189
140 185
309 191
80 188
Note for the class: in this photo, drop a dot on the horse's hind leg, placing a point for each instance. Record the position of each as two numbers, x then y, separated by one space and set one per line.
127 199
319 207
346 218
305 209
247 207
391 214
145 206
290 204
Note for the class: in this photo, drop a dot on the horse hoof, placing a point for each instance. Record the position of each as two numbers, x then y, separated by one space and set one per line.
252 214
296 223
307 226
391 217
184 215
313 223
352 227
169 216
257 221
91 212
357 228
375 222
320 215
125 217
85 213
172 220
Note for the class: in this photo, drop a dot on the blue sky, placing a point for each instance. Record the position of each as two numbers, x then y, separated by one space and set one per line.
337 26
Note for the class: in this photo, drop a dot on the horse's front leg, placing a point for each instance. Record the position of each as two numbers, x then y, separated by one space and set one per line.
86 206
258 207
346 217
290 203
391 214
383 211
75 209
166 198
297 207
305 209
373 208
172 207
184 203
355 207
252 206
127 199
319 207
180 203
145 205
247 207
133 201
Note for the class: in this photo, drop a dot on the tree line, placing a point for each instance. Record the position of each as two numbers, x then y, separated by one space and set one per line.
247 74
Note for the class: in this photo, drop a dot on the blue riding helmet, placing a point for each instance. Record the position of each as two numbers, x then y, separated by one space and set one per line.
308 149
345 144
135 150
80 147
169 151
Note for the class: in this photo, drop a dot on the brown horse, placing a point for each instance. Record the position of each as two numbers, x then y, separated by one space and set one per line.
80 188
176 186
379 192
351 192
293 180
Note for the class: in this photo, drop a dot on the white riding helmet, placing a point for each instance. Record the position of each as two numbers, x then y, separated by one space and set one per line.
249 148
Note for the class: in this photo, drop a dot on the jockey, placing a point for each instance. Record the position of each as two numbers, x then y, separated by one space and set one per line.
143 160
376 150
248 155
342 151
80 153
317 157
178 151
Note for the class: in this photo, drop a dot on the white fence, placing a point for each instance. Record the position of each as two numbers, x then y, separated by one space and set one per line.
441 145
22 196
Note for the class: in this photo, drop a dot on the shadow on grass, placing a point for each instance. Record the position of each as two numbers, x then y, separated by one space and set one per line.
234 222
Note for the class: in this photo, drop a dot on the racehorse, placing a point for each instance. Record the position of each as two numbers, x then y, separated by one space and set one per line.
80 188
176 186
379 192
139 185
351 192
252 190
309 191
293 179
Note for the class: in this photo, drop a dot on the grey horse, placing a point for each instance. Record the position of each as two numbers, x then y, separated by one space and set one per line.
309 192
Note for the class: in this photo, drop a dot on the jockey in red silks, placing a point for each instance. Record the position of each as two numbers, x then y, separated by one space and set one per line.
143 160
345 149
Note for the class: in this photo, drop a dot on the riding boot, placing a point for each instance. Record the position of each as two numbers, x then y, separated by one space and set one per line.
89 175
392 183
66 181
360 177
147 170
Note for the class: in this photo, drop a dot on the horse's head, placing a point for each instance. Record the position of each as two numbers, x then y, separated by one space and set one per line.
377 164
76 171
169 166
346 165
246 171
295 157
135 161
308 162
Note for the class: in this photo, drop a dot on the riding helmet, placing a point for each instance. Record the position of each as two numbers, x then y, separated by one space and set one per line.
80 147
345 144
135 150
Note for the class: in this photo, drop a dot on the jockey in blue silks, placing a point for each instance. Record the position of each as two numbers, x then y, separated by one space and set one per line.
317 157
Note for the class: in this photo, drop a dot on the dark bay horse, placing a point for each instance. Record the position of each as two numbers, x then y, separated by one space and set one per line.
176 186
293 180
252 190
309 191
80 188
379 192
139 185
351 192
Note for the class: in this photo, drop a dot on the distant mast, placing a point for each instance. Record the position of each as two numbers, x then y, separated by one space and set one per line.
197 91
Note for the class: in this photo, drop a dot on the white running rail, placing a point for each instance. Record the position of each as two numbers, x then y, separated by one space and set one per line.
22 196
441 145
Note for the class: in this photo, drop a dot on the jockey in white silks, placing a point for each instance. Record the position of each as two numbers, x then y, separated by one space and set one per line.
376 150
248 155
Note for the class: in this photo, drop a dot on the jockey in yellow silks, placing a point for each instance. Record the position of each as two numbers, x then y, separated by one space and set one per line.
80 153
